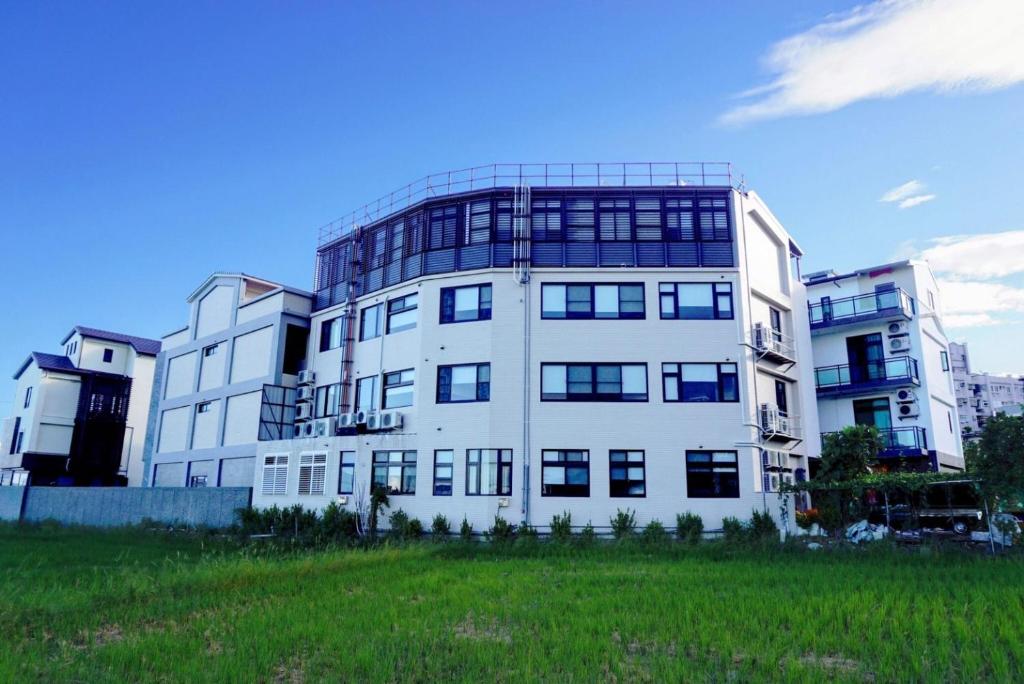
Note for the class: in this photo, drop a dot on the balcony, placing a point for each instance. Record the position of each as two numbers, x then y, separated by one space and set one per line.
900 442
777 425
844 380
829 313
772 345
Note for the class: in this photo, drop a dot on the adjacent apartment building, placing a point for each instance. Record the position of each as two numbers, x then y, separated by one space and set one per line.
881 358
236 361
980 396
80 417
524 341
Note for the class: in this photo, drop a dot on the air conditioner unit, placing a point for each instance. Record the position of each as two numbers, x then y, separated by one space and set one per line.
348 420
905 396
390 420
304 430
899 344
303 411
362 416
324 427
899 328
773 421
910 410
373 421
307 377
298 428
770 482
305 393
771 459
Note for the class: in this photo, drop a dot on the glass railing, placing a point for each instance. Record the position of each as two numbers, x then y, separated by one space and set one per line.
889 371
899 439
847 309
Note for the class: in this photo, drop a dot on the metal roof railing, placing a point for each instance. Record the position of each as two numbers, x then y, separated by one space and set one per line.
571 174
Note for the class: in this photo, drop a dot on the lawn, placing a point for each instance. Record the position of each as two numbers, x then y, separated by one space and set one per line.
137 605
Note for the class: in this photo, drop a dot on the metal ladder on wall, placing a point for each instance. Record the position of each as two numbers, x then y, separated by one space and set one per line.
346 403
521 233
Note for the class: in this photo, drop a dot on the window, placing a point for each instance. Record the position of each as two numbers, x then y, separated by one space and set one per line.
781 398
462 304
197 481
614 221
28 397
332 333
402 313
18 443
204 407
370 320
943 359
469 382
712 475
443 229
444 463
593 382
696 301
366 394
700 382
590 300
775 319
565 473
108 355
296 341
312 473
626 474
478 222
489 472
398 388
275 475
395 471
16 438
347 473
211 350
327 400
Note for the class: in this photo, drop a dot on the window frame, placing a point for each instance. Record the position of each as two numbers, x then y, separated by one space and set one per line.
563 463
944 360
627 481
28 397
475 472
322 400
478 383
593 396
327 328
279 466
711 452
108 355
482 314
592 313
450 479
399 306
719 382
404 463
311 465
373 398
349 467
401 383
718 289
378 330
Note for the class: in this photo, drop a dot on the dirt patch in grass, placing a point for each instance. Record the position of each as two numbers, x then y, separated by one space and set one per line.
835 665
481 629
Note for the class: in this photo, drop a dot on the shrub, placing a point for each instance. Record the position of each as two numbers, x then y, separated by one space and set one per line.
689 528
440 528
762 527
587 535
466 530
561 527
732 529
403 527
623 524
501 531
337 524
654 533
527 534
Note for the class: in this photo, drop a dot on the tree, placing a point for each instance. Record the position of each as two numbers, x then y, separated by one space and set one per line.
378 500
845 455
997 459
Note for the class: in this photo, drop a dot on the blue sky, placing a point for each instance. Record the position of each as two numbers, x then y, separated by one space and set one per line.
146 145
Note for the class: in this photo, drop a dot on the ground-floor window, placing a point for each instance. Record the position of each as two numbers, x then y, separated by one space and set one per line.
489 472
444 463
626 473
275 475
565 472
395 471
347 472
712 475
312 474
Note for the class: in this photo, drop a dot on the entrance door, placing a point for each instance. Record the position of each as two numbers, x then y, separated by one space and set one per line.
866 356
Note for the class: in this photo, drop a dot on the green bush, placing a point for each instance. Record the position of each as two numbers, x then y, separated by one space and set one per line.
466 530
732 529
689 528
654 533
561 527
762 527
403 527
338 524
501 531
623 524
526 534
440 528
587 535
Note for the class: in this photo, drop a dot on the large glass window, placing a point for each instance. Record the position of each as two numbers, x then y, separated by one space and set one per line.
712 475
402 313
444 460
592 300
464 383
489 472
565 472
626 473
395 471
461 304
443 227
593 382
327 400
398 388
366 394
700 382
370 323
312 474
332 333
695 301
347 473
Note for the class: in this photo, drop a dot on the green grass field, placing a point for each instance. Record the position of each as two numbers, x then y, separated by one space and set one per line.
141 606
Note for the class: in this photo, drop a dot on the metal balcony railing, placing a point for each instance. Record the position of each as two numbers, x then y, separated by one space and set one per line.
828 312
898 371
777 424
772 344
900 441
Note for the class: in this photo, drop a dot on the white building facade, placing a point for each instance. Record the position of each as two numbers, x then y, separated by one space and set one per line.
982 395
881 358
521 353
80 417
238 357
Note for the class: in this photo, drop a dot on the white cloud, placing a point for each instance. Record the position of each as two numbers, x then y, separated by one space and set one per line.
888 48
984 256
968 320
902 191
915 200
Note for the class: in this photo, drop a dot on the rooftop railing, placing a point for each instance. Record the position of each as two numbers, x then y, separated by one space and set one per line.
572 174
860 307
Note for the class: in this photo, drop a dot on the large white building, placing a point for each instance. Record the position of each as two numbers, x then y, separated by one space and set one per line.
982 395
228 373
881 358
633 341
80 417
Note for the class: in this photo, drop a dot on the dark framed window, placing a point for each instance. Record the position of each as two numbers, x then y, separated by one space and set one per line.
370 322
366 394
614 219
775 320
712 475
700 382
478 222
332 333
592 300
443 229
488 472
398 388
326 401
203 407
943 359
626 473
395 471
28 397
593 382
463 383
197 481
444 464
546 220
781 397
402 313
679 219
15 446
211 350
695 301
347 473
464 304
565 472
108 355
579 219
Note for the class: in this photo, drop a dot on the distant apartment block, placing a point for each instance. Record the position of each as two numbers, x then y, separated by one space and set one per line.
982 395
882 358
80 417
236 359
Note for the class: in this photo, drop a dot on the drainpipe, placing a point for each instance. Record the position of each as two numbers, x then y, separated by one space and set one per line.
525 510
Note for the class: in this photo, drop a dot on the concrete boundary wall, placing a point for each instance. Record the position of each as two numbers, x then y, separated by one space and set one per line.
114 506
